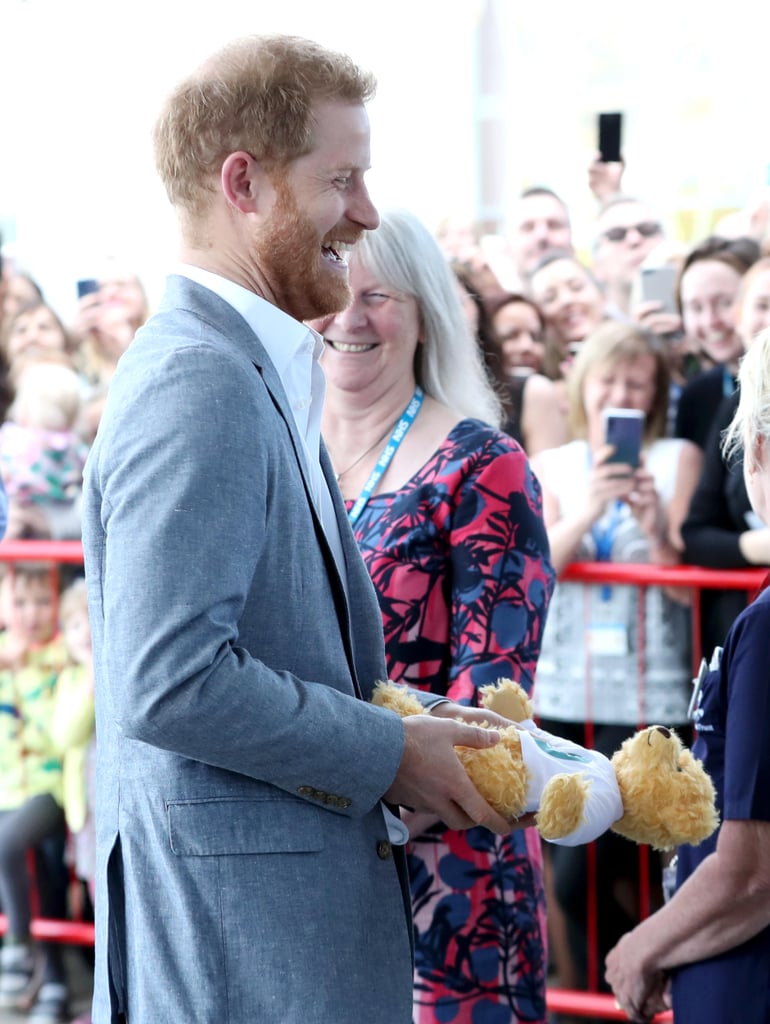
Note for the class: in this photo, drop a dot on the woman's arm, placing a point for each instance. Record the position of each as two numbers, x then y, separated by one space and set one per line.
725 902
607 482
543 416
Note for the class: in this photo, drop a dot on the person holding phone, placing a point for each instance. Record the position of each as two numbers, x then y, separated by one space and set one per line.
627 230
588 685
111 309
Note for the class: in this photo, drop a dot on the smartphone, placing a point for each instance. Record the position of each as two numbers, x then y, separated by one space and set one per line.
87 286
610 132
624 429
659 285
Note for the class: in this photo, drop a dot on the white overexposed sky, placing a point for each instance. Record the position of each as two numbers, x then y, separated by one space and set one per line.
81 82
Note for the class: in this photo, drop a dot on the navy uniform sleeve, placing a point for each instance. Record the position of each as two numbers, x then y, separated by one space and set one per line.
747 740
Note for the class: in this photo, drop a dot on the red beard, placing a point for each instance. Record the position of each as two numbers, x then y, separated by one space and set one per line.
302 280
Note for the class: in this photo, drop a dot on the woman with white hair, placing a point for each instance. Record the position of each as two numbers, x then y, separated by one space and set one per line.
448 518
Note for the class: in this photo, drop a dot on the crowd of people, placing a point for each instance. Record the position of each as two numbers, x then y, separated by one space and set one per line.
431 455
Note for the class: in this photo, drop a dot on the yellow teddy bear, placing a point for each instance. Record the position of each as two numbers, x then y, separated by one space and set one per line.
652 790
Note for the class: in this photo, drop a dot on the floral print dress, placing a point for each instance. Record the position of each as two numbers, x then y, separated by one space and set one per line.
460 561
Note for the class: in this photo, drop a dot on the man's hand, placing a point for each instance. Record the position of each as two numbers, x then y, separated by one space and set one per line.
474 716
432 778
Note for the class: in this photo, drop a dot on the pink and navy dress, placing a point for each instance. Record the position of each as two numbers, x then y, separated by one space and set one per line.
460 562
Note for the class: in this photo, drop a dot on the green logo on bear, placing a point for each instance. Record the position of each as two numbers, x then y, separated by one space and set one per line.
564 755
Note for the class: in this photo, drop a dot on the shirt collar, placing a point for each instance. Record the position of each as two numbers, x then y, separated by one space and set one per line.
281 335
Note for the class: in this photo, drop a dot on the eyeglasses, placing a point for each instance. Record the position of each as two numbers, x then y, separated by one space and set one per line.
647 229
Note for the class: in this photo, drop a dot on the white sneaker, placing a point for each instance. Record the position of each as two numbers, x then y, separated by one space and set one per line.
17 967
50 1007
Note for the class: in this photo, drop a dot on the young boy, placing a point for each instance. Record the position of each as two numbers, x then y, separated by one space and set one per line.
31 657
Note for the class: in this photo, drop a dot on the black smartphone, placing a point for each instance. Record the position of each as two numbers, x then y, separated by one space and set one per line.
86 286
624 428
659 285
610 137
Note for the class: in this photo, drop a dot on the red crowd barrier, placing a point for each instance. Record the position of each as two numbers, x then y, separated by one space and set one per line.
695 578
78 933
591 1004
68 552
567 1001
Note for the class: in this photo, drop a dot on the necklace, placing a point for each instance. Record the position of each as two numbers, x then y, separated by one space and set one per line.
338 476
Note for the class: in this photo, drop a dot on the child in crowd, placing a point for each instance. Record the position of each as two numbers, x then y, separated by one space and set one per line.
34 331
31 815
72 731
72 728
41 454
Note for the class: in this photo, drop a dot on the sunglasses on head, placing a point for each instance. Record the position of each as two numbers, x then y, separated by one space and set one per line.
646 229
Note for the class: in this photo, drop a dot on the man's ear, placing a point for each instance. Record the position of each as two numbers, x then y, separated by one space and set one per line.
243 181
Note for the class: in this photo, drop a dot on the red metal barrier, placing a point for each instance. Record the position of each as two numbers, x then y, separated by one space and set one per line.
78 933
66 551
590 1004
665 575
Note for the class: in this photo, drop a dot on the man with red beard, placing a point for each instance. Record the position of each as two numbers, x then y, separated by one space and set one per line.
249 866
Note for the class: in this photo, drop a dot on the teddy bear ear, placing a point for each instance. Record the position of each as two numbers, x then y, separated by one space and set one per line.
508 699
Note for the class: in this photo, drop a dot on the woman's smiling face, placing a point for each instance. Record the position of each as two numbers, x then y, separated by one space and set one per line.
375 339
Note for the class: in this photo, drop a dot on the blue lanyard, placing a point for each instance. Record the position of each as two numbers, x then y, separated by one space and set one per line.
728 382
604 539
399 433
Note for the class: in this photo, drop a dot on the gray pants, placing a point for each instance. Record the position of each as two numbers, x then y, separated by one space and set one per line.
36 825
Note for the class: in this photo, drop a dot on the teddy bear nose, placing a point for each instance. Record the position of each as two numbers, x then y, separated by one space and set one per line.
662 729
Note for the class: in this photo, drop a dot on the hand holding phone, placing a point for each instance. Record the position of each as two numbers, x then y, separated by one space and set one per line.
87 286
659 285
624 430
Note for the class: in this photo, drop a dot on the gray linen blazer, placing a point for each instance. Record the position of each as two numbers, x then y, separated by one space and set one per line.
244 874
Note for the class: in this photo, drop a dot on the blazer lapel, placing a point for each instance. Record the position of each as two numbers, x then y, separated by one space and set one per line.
229 322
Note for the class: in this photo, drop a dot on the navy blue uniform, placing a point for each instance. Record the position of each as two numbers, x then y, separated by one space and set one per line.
733 722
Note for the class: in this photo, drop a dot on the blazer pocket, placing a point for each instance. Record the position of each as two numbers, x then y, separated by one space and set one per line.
215 828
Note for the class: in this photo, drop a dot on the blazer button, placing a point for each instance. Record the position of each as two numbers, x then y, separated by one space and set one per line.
383 849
